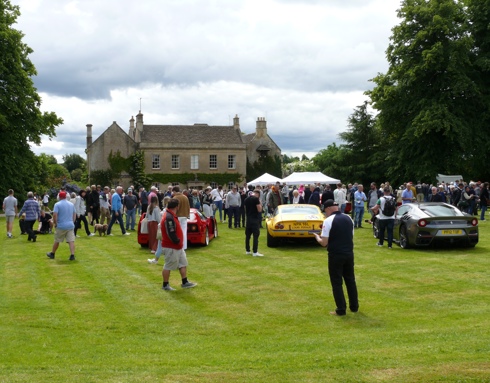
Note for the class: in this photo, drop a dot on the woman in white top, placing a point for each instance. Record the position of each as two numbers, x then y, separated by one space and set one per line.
153 215
81 211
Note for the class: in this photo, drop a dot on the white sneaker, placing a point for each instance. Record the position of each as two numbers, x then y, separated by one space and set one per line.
78 236
258 255
91 235
126 233
153 261
248 252
110 235
153 251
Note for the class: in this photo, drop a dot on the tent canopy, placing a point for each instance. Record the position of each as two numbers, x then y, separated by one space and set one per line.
298 178
264 179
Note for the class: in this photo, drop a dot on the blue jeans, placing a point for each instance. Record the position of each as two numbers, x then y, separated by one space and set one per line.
115 218
387 224
483 210
130 218
359 213
342 207
219 206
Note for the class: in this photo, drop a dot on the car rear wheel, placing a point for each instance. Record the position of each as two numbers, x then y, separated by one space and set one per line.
215 230
404 242
206 237
271 241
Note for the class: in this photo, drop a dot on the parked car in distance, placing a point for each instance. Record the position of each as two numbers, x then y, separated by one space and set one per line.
293 221
430 223
200 229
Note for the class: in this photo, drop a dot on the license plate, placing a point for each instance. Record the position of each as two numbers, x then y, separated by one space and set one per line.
451 232
302 225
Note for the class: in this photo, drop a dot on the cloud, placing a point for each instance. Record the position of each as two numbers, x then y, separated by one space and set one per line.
302 64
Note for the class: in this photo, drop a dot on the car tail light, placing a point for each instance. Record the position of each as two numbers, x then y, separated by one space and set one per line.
422 223
192 228
279 226
474 222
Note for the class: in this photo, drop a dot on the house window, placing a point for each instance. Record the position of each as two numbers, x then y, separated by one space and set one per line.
175 161
231 185
231 161
155 161
213 161
194 162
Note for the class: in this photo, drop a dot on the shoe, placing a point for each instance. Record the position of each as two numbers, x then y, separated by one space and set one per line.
248 252
153 261
153 251
126 233
50 255
361 227
188 285
110 235
91 235
34 238
72 257
379 244
168 288
77 236
258 255
389 247
9 235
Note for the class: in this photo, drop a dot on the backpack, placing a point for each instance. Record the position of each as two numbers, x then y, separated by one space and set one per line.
390 207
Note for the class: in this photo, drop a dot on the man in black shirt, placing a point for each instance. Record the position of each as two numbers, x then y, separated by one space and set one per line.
337 236
253 208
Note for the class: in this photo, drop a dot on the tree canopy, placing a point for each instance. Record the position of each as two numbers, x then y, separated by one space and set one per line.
21 121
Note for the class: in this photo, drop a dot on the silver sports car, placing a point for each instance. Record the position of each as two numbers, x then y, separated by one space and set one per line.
423 224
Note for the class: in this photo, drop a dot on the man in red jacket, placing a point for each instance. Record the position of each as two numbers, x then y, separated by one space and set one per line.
173 246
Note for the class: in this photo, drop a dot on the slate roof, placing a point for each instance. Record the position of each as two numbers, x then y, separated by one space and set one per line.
189 134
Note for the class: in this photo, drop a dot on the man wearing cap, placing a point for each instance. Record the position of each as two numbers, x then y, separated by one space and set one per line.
253 209
130 202
337 235
64 216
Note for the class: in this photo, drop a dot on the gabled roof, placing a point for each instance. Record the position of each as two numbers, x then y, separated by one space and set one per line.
197 133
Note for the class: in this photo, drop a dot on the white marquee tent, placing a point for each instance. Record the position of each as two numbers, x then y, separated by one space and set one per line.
301 178
264 179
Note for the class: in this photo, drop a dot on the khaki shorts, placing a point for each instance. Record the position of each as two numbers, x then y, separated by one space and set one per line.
62 235
174 259
10 218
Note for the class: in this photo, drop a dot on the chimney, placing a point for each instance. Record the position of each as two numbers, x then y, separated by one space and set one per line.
236 123
89 135
261 127
139 127
131 128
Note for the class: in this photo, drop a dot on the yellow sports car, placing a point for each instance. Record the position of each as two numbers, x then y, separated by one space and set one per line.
295 221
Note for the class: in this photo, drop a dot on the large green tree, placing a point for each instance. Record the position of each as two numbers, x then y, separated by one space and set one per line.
21 121
73 161
428 100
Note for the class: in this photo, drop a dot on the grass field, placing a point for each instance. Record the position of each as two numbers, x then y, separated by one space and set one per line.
424 314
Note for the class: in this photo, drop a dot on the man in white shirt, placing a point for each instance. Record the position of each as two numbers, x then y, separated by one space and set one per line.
217 196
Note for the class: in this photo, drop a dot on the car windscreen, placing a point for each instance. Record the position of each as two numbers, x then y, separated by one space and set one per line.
441 211
299 210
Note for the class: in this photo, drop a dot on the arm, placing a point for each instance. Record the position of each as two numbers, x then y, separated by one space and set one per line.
259 207
321 240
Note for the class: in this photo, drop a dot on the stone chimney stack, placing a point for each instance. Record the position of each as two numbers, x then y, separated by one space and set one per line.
139 127
89 135
131 128
261 127
236 123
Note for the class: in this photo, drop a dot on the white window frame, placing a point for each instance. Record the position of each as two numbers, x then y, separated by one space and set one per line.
155 161
194 161
215 160
175 162
232 160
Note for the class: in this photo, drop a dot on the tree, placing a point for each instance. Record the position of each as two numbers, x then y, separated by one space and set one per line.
73 161
137 170
428 102
21 121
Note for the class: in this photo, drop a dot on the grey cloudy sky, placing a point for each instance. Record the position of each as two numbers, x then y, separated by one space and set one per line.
302 64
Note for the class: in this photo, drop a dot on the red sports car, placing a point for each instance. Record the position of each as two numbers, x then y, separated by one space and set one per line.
200 230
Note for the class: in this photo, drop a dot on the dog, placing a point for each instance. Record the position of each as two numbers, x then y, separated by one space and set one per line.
102 229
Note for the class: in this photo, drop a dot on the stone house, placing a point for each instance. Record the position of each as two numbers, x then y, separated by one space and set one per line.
183 149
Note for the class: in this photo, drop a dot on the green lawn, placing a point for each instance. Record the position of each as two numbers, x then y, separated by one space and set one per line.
424 314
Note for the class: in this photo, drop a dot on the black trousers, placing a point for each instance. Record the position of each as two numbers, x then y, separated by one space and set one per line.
252 229
233 212
78 224
28 225
341 268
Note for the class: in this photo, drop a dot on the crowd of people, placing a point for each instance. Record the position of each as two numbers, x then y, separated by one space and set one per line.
243 206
